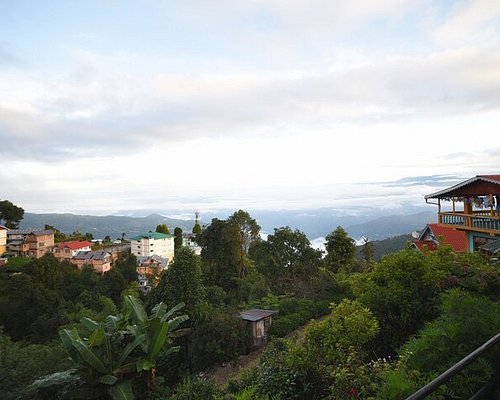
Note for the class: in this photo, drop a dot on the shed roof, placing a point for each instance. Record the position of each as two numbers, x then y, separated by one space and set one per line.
256 314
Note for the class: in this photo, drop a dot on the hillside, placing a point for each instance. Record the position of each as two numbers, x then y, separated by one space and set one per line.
393 225
100 226
386 246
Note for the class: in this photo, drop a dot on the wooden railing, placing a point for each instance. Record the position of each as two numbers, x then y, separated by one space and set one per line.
480 220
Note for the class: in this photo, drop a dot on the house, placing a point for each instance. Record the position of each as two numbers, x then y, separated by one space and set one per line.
471 206
149 269
153 243
3 239
260 321
29 242
433 233
66 250
99 260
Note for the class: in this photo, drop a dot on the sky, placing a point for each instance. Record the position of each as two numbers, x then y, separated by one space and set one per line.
108 106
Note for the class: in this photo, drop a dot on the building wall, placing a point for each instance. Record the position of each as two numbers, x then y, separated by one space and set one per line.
3 240
147 247
38 245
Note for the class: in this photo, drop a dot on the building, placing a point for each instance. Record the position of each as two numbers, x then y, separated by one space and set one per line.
260 321
149 269
188 241
3 239
153 243
472 207
434 233
66 250
29 242
100 261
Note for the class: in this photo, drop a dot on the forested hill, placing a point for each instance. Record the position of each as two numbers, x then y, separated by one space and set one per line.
386 246
100 226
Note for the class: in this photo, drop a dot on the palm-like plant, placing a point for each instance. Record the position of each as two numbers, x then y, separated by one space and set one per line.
124 347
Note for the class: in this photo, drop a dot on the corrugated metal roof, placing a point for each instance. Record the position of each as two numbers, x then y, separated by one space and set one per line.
492 247
256 314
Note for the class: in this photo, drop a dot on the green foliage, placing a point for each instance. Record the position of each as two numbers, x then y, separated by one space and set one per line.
163 228
402 292
181 282
465 323
117 352
177 239
196 229
221 336
10 214
22 363
288 261
127 266
341 250
225 246
196 389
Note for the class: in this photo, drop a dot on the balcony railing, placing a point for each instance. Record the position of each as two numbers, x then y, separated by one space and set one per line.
479 221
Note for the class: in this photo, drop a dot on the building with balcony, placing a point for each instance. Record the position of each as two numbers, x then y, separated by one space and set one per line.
472 206
29 242
153 243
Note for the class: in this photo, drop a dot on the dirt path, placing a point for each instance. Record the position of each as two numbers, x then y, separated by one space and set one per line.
220 375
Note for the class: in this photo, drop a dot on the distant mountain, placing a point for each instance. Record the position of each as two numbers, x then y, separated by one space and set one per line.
100 226
393 225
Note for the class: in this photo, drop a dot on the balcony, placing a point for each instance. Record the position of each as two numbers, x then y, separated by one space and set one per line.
478 221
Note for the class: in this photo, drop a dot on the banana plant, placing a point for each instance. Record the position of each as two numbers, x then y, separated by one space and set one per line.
124 347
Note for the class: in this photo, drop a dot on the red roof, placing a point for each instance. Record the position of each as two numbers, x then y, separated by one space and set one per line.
492 177
456 239
74 245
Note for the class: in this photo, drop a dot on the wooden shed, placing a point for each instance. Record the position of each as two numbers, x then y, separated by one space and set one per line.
260 322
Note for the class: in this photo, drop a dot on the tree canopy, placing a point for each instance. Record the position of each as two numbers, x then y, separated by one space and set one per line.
10 214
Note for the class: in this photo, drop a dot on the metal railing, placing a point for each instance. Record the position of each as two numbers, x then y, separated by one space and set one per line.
459 366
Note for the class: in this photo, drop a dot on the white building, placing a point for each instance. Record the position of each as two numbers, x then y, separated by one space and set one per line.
153 243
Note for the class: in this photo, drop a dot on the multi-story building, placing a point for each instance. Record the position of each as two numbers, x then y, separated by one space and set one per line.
472 206
66 250
152 243
3 239
99 260
29 242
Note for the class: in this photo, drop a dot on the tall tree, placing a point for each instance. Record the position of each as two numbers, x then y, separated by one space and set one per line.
286 259
163 228
10 214
177 239
181 282
341 250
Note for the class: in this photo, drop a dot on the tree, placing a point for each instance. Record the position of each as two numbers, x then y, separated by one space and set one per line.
177 239
163 228
181 282
287 260
402 291
196 229
10 214
58 235
341 250
127 265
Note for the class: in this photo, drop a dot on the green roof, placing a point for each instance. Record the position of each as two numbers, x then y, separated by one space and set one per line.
152 235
